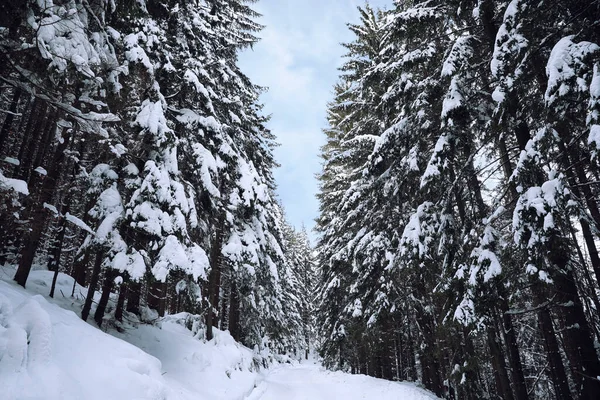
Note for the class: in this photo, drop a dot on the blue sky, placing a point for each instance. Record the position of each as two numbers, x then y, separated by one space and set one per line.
297 59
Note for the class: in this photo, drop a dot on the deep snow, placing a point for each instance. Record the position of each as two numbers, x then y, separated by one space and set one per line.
69 359
47 352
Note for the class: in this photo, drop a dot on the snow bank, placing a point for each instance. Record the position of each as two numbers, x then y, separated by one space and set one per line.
47 352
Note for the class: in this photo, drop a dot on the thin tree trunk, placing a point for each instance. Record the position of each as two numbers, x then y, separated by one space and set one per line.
557 369
8 121
429 365
224 317
214 279
514 358
38 214
157 297
109 282
579 186
508 331
591 295
33 141
121 301
79 269
44 146
133 297
54 262
234 312
499 365
27 127
579 346
93 284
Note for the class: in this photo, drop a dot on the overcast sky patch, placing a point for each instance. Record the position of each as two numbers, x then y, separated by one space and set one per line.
297 59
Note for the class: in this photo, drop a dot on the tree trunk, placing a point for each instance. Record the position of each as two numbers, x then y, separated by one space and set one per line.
133 297
38 213
499 365
157 297
557 369
26 128
579 345
234 312
429 365
224 313
109 282
93 284
7 125
44 146
54 262
580 187
121 301
214 280
33 140
79 269
514 358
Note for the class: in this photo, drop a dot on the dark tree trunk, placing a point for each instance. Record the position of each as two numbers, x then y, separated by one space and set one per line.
234 312
56 250
386 349
499 365
174 302
133 297
224 313
87 306
38 214
8 121
33 141
121 301
109 282
514 358
429 364
214 280
579 345
44 146
25 128
557 369
472 385
580 187
157 297
590 297
79 269
411 368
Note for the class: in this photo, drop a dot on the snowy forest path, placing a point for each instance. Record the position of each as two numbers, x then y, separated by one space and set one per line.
313 382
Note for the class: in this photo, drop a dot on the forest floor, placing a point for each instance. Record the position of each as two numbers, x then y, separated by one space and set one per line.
47 352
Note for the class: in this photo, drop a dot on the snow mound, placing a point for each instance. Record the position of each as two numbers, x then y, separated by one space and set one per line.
47 352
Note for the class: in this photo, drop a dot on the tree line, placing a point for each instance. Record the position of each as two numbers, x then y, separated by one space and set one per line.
459 217
134 156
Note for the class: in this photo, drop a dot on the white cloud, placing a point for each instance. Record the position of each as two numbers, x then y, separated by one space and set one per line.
297 59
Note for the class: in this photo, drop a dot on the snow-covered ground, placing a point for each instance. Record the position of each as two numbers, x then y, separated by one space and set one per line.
48 353
312 382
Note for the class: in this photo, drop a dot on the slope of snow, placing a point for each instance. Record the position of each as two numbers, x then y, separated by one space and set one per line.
47 352
312 382
217 370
